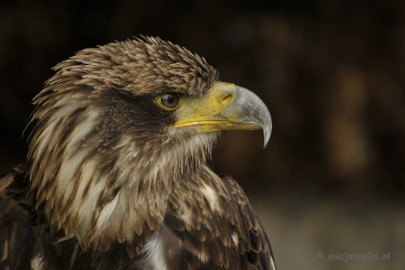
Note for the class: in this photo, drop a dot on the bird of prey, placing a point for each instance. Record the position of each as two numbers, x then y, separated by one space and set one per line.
117 174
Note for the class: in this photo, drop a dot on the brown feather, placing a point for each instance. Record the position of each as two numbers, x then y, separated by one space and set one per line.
108 185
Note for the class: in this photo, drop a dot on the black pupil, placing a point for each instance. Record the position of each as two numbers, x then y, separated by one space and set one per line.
169 100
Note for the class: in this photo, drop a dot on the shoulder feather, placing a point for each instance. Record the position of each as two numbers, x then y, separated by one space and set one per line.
216 227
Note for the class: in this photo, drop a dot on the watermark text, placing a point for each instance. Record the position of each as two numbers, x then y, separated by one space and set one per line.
346 257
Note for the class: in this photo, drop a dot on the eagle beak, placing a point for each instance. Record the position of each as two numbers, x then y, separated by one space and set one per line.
225 107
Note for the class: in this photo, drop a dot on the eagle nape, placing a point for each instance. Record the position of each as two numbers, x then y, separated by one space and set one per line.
117 173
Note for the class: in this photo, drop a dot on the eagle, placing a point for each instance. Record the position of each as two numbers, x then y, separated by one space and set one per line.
118 174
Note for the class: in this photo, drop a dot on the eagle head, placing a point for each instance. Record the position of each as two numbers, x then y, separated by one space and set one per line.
118 127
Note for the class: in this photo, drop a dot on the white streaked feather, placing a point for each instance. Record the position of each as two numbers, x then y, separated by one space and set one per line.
88 204
43 140
235 238
153 255
211 196
67 169
105 214
85 126
89 168
37 263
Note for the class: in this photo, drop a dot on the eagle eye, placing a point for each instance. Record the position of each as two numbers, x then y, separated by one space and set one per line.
168 101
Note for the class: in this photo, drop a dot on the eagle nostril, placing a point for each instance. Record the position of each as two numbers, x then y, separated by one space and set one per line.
226 98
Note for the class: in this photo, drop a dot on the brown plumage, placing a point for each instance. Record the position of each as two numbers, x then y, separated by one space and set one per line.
116 174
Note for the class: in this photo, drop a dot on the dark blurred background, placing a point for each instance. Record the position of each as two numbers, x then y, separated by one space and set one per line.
331 72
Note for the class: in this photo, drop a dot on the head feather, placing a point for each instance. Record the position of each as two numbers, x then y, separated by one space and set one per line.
96 151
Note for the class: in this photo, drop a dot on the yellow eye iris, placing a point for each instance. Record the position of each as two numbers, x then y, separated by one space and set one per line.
168 101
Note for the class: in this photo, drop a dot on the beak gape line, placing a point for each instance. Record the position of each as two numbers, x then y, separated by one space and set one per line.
225 107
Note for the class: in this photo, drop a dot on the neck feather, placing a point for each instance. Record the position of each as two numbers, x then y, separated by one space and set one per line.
101 196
